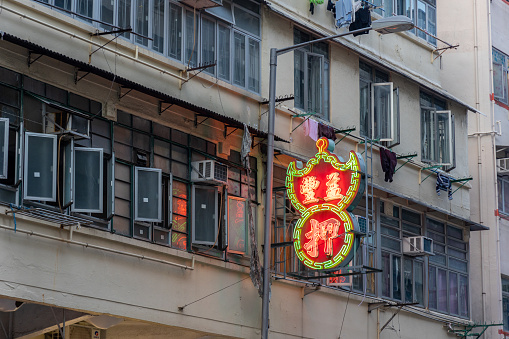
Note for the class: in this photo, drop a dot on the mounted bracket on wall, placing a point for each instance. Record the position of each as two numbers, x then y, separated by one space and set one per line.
160 106
408 158
120 95
77 76
346 131
226 134
30 61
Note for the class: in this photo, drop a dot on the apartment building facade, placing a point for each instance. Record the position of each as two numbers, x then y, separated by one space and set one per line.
128 203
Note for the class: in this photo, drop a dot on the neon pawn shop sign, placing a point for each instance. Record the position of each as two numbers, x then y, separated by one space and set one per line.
325 191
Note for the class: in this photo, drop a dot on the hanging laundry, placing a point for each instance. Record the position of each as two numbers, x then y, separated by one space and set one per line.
326 131
444 184
305 127
331 7
312 4
344 12
388 161
313 129
362 20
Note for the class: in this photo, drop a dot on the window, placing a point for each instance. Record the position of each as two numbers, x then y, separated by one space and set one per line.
503 195
505 302
228 36
437 131
448 269
87 180
379 106
237 225
422 13
205 215
311 76
4 147
147 193
500 76
402 276
40 167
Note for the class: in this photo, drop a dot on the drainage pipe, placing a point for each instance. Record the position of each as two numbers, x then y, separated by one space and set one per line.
106 249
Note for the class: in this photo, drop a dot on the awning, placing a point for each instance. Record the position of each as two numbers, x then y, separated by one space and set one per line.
133 85
357 49
61 107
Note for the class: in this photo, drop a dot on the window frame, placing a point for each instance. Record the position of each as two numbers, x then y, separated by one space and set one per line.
430 107
246 223
4 146
101 179
137 183
54 166
193 215
324 75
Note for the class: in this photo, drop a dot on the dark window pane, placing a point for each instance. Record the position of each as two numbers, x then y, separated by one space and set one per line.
141 124
34 86
9 77
410 216
124 118
396 277
179 137
161 131
79 102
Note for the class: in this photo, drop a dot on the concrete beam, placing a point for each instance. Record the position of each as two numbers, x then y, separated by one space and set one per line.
32 319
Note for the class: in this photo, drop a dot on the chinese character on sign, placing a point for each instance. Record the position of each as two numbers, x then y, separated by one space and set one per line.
333 190
326 231
308 187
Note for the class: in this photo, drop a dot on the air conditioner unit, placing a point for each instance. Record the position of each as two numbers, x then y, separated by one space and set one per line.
363 224
200 4
209 171
503 166
416 246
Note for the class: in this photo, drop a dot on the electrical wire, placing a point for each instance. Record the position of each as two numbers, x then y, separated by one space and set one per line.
344 315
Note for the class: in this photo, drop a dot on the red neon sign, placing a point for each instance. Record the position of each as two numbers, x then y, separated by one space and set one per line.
325 191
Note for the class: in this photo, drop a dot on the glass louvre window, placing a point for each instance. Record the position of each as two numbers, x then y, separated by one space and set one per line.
88 180
239 59
505 302
64 4
422 13
141 21
208 45
448 269
191 40
500 75
158 16
223 67
402 276
124 16
205 215
85 8
228 35
503 195
107 8
4 147
40 167
147 193
311 78
174 36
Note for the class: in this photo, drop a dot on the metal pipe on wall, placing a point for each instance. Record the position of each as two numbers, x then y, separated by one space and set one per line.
102 248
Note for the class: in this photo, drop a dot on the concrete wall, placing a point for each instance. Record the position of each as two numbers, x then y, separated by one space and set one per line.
71 276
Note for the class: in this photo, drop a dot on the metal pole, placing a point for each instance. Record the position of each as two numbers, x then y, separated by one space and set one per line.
268 194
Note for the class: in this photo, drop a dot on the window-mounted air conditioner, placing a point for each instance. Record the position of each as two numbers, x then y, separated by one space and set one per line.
363 224
209 171
503 166
199 4
417 246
